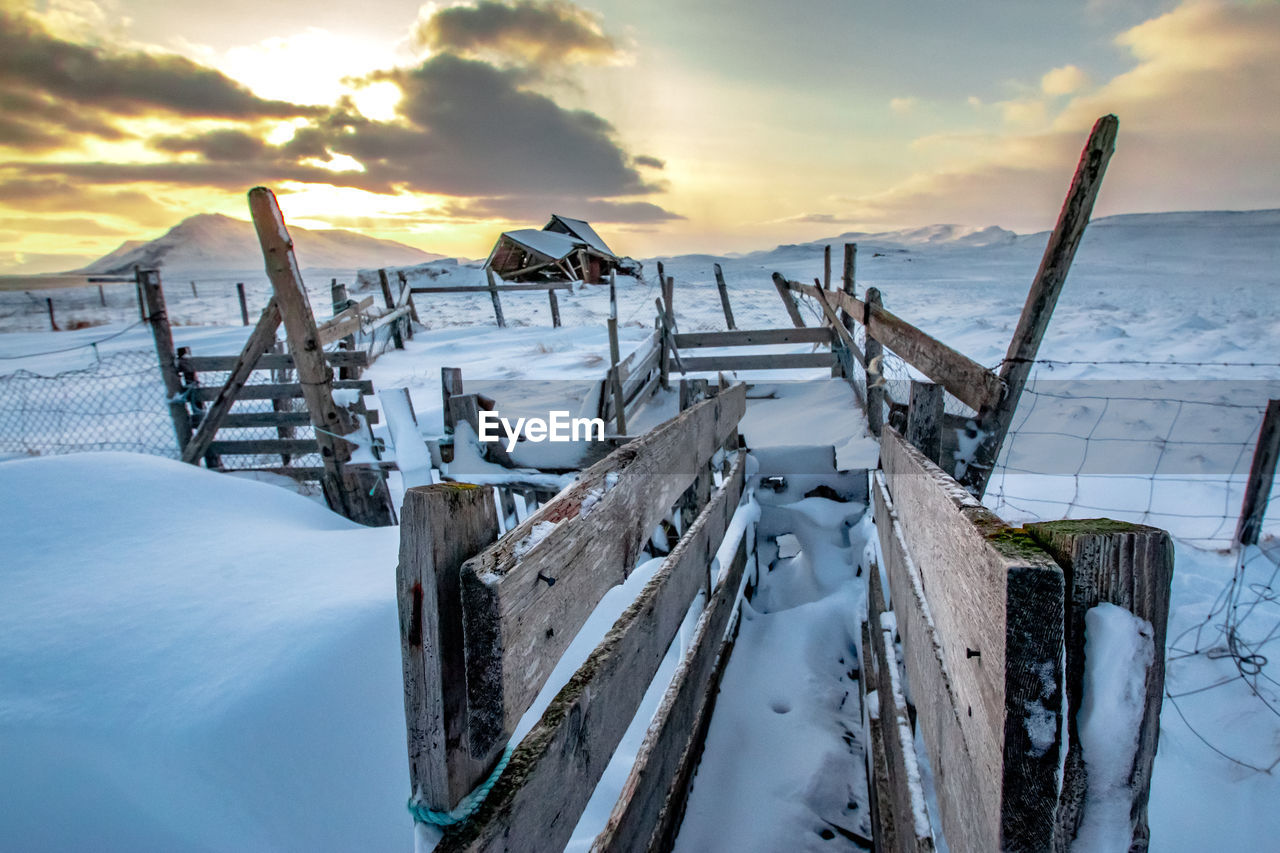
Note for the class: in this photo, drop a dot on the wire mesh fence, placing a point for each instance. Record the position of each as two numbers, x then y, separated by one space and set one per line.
116 403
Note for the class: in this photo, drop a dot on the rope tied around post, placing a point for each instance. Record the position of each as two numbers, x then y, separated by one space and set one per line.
468 805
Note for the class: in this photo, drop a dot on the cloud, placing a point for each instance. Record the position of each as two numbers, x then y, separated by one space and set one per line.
39 194
539 208
1066 80
649 162
903 106
542 34
75 226
1198 127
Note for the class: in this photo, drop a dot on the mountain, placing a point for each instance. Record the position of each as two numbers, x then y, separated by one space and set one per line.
210 242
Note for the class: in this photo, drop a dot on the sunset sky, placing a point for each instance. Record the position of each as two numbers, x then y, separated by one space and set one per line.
673 125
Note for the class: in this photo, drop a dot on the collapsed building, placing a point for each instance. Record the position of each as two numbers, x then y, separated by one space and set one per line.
565 249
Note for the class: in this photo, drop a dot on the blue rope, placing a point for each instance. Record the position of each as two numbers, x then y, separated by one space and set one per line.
468 805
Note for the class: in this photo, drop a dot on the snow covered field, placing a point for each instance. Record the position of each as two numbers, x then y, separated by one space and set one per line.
175 645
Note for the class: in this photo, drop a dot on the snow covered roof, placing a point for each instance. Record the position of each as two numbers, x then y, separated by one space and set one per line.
583 231
548 243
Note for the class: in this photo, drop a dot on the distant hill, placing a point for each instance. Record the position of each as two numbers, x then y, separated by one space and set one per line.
210 242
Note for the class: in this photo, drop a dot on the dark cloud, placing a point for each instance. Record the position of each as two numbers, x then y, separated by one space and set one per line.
216 145
32 121
538 208
230 175
125 82
37 194
74 226
543 34
649 162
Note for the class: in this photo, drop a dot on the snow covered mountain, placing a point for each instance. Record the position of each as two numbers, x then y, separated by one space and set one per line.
213 242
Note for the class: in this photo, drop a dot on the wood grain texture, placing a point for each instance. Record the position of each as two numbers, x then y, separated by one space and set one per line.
779 361
788 301
1130 566
552 773
524 602
724 299
156 314
1262 473
924 419
883 831
753 337
997 606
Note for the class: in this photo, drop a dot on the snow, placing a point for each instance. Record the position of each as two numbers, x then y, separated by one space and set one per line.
551 244
1118 653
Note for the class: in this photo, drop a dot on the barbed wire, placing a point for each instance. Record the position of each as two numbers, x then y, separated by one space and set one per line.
74 347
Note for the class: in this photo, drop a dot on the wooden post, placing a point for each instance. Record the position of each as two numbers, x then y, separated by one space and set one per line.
724 299
789 301
396 337
53 324
149 288
1261 475
874 352
668 300
341 302
142 302
346 490
1041 300
615 377
1130 566
102 297
826 267
193 290
442 526
555 308
450 386
664 356
497 300
847 281
924 419
406 293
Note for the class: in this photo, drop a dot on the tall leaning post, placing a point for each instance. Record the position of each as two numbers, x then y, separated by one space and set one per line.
1043 297
1130 566
346 490
1262 472
157 317
874 352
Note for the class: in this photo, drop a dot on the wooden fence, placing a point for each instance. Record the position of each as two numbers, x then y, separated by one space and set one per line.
484 622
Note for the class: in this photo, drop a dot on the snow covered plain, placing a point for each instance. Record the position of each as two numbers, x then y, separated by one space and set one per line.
190 661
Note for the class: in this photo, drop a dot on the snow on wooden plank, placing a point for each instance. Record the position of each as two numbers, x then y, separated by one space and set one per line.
552 774
271 391
753 337
526 596
993 618
275 361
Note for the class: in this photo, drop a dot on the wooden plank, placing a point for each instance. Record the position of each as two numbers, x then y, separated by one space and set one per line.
780 361
788 301
247 420
553 772
883 832
293 446
724 299
1041 300
157 317
969 381
615 376
873 367
274 390
924 419
524 622
555 308
342 324
352 492
274 361
905 800
443 526
1131 566
658 783
1262 473
501 288
833 322
754 337
996 603
261 340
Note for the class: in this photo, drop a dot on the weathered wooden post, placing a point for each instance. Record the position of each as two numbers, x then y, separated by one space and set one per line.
102 297
442 526
361 498
193 291
1041 300
826 267
148 282
788 301
1262 473
341 302
1130 566
497 300
724 299
847 281
244 305
924 419
390 301
406 297
555 307
53 324
615 377
874 372
450 386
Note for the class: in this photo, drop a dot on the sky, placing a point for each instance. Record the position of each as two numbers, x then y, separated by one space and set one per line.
672 126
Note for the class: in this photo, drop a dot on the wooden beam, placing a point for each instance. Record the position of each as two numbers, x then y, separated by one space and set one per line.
1262 473
779 361
261 340
157 317
450 386
522 621
389 299
924 419
847 284
251 420
273 361
833 322
754 337
278 390
788 301
724 299
553 772
980 610
497 300
244 305
997 414
348 492
501 288
1130 566
443 525
555 308
826 267
615 377
873 367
